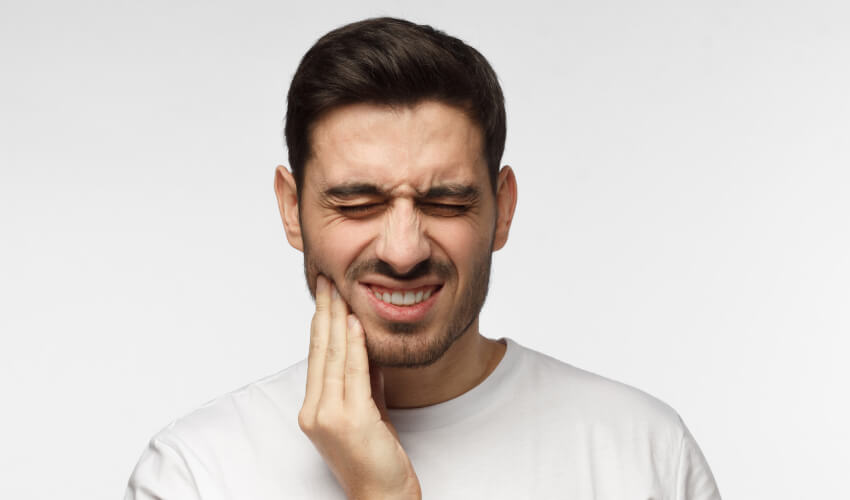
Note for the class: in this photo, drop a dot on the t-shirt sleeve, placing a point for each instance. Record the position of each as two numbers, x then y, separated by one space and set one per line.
162 473
694 480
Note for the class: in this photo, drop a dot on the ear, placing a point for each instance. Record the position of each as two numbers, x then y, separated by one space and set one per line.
506 195
287 203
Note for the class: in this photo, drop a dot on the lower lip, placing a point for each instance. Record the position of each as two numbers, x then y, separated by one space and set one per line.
411 313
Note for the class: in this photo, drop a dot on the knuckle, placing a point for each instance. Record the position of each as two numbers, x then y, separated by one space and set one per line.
326 419
306 421
316 345
356 334
334 352
353 371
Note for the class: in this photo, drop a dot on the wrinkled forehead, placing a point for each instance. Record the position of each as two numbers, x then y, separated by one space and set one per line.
408 148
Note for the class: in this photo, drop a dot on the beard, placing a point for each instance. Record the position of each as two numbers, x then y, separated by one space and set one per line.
410 344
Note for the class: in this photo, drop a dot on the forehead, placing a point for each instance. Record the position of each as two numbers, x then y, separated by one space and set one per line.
396 148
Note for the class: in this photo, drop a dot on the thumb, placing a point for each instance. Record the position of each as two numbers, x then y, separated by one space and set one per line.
376 378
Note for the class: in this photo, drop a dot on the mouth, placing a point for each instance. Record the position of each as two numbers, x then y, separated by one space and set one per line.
403 297
401 304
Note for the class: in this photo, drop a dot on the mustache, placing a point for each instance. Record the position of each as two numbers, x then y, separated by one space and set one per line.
427 267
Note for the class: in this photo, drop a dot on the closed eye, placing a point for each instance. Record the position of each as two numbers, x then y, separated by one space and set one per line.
443 209
365 210
362 210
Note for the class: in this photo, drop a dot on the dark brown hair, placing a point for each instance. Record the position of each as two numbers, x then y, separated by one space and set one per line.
394 62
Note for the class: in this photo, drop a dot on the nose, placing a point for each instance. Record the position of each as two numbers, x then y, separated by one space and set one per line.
402 243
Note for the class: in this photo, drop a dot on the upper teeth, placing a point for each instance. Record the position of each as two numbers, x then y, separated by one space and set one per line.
402 298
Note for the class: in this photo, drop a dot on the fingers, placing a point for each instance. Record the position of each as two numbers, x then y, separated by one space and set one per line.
319 334
338 363
357 384
334 375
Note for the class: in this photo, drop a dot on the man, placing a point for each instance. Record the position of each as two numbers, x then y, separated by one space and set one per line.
395 196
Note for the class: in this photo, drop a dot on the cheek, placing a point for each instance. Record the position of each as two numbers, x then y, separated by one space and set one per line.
462 241
334 248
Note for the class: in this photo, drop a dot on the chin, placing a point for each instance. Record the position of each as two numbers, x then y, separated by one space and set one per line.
406 345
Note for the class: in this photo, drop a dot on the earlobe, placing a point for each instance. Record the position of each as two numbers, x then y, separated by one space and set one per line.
287 202
506 197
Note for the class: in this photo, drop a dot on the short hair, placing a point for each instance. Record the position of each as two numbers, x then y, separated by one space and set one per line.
398 63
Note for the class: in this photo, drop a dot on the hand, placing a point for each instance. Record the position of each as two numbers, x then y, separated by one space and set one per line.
344 413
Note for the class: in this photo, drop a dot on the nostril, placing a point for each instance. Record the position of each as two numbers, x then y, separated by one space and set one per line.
409 273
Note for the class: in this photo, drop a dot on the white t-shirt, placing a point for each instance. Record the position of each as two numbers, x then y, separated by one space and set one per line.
536 428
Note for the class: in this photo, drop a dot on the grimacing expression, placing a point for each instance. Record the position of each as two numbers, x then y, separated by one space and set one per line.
398 211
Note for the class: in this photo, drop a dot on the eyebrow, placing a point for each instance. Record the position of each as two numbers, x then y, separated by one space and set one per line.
460 192
352 190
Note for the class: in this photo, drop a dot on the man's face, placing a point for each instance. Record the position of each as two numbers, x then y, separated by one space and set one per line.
398 212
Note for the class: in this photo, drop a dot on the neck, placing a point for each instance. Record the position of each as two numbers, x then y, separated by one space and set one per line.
465 364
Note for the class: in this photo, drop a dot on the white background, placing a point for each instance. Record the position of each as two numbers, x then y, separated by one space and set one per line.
682 226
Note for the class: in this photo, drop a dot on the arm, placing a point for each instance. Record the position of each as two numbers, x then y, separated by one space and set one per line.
694 480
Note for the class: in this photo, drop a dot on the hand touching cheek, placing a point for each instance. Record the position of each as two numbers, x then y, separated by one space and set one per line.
344 413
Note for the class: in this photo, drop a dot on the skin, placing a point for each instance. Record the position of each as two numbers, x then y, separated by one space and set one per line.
392 199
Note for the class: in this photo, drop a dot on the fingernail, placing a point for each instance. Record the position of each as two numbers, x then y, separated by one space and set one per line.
334 292
321 284
352 321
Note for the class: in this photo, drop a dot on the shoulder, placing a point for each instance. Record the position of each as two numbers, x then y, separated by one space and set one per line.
593 398
615 423
243 413
228 442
